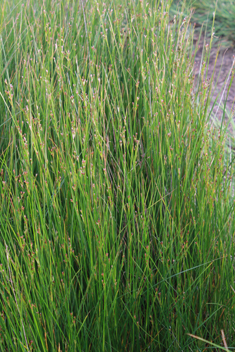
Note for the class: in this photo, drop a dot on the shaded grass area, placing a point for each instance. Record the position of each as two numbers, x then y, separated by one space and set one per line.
203 12
117 226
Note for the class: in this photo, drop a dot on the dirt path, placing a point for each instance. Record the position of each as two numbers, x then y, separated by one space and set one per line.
223 73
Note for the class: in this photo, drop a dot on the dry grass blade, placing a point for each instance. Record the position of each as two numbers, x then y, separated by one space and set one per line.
224 339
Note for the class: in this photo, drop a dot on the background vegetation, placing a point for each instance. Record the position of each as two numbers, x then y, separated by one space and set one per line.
202 14
117 225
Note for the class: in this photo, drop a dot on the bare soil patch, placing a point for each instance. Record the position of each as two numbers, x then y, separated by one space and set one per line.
222 75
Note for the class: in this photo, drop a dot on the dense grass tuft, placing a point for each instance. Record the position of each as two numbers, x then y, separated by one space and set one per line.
117 226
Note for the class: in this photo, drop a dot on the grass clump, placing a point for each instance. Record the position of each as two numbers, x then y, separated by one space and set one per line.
116 218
